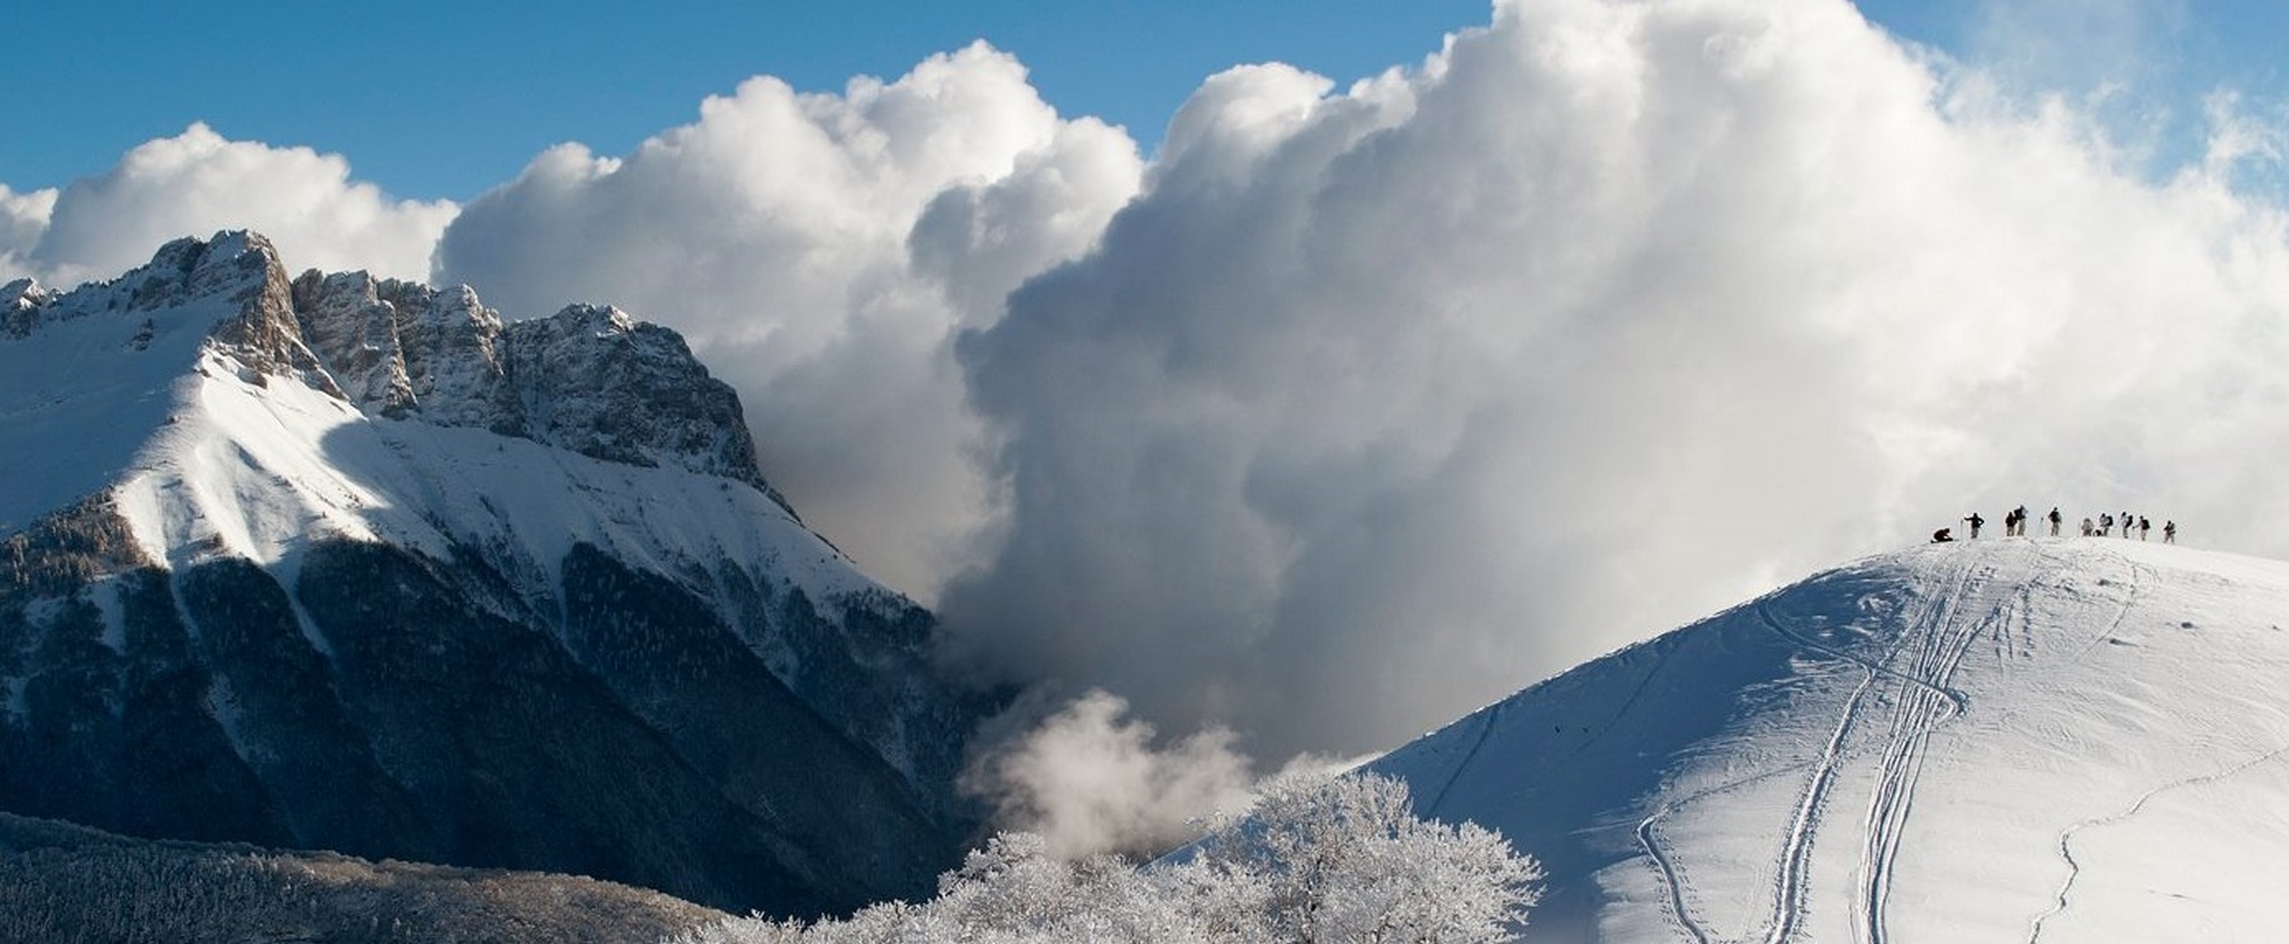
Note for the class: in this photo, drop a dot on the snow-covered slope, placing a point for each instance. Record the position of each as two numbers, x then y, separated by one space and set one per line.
2016 740
355 564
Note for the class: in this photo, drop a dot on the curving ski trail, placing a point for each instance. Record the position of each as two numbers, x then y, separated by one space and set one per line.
1934 649
1796 846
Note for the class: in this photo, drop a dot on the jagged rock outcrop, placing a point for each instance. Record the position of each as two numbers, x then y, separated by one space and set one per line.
589 379
353 564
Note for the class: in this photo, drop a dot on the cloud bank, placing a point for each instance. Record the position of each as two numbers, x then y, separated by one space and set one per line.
1360 407
198 182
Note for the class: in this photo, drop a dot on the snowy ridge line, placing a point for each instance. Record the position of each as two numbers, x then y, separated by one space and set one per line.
1660 660
1485 728
1486 719
2066 838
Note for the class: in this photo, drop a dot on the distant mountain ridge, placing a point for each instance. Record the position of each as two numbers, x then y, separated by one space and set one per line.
344 563
60 882
2081 739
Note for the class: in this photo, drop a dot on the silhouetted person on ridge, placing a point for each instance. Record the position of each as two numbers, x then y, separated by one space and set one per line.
2169 532
2106 525
1975 521
2143 525
1942 536
2055 519
2127 521
2087 527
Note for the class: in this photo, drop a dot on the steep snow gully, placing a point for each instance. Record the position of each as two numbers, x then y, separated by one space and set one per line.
2015 740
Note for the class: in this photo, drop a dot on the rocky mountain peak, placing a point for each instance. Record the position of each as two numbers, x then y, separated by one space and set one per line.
598 382
238 269
20 301
590 379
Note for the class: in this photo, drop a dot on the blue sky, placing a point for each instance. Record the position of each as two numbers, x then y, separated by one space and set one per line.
433 99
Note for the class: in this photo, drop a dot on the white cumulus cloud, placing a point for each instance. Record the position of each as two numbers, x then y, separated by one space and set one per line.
199 182
819 251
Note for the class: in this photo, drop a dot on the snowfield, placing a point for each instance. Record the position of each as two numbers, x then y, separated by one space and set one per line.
2079 739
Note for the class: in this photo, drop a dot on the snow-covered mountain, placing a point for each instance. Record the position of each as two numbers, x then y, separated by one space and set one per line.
352 564
2016 740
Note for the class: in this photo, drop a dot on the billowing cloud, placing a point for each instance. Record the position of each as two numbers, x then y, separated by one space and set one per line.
820 251
1377 404
1091 779
198 182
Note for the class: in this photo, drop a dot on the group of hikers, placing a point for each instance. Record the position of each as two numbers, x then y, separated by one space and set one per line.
2015 526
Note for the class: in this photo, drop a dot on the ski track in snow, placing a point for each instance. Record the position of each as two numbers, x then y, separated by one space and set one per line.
1924 703
2066 837
2129 603
1673 875
1796 848
1922 707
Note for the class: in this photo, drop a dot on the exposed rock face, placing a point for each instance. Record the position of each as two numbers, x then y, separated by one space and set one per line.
428 619
588 379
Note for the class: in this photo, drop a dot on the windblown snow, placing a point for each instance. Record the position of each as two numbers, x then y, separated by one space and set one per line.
2017 740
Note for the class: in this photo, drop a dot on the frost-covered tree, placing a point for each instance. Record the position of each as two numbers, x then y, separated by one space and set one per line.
1346 861
1323 861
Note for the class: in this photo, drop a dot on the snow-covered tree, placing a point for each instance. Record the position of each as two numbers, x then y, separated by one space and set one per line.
1321 861
1324 861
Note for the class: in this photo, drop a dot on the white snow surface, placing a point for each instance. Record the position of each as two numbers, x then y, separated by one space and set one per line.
78 400
2019 740
255 466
